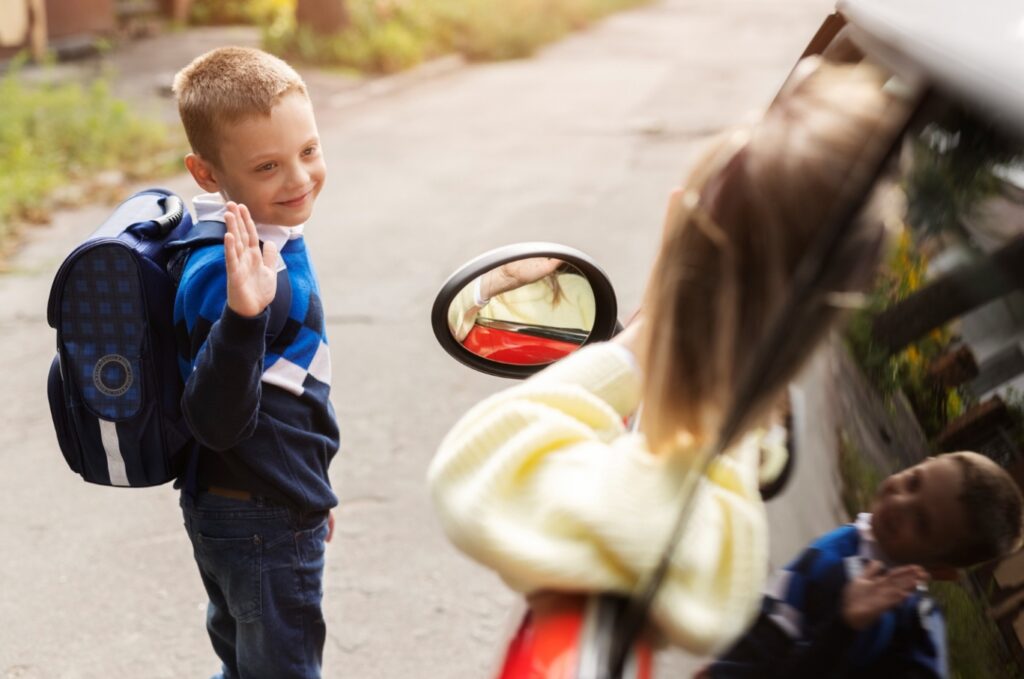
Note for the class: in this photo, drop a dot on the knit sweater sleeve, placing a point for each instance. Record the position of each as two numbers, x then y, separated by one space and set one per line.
222 389
543 484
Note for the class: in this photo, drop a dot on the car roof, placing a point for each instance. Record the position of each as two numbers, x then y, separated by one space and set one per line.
972 50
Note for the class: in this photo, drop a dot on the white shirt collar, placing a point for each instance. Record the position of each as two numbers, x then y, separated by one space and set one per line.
210 207
869 548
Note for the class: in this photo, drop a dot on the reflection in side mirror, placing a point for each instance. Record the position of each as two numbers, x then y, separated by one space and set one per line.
530 311
514 310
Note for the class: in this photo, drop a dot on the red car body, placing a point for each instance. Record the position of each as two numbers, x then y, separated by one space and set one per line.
553 642
505 346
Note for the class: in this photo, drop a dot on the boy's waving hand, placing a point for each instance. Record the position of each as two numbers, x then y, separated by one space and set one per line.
875 591
252 275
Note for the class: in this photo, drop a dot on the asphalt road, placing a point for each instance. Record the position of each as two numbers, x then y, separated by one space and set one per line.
580 145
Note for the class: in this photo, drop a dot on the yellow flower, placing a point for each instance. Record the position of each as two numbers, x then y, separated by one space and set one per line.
954 404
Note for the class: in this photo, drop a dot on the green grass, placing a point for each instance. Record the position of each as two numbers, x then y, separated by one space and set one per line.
859 476
54 135
219 12
391 35
976 649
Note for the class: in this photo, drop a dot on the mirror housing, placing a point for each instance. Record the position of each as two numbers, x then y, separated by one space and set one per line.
605 323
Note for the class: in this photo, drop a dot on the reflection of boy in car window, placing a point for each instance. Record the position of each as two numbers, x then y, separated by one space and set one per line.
538 291
854 599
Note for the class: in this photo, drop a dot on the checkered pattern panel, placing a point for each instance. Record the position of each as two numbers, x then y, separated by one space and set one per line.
300 351
102 318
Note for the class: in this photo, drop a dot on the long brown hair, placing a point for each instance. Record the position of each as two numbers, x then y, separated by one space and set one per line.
751 209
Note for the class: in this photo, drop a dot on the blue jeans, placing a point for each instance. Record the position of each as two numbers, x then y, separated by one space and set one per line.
262 567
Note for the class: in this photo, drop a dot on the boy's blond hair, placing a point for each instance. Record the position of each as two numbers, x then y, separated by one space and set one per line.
226 85
993 509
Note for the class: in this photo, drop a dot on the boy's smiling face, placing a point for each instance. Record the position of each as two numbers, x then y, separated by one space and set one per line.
272 164
917 514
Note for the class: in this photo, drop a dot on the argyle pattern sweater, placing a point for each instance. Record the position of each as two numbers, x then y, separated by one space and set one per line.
800 632
261 414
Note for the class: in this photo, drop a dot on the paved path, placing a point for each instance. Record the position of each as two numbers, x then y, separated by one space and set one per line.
579 145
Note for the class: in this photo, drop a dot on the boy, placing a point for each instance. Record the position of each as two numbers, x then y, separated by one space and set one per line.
257 508
837 611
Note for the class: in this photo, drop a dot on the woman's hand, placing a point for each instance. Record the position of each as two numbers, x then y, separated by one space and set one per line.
517 274
252 275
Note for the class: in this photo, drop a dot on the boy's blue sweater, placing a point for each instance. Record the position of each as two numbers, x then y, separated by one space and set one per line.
261 414
800 632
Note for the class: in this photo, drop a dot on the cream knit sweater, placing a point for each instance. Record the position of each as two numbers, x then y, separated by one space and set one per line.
543 483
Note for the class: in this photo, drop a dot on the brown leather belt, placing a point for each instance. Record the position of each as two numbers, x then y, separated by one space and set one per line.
231 493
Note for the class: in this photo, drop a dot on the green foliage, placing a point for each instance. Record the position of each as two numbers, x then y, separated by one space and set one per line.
953 170
220 12
57 134
955 159
859 478
976 649
485 30
390 35
378 39
906 370
902 274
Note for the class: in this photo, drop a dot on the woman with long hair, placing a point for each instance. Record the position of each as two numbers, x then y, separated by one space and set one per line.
545 484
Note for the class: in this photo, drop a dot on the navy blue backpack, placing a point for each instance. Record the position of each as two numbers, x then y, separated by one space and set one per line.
115 387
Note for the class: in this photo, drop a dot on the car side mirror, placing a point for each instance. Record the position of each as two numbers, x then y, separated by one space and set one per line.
516 309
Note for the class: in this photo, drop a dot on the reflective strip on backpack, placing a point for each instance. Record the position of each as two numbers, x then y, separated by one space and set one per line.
115 462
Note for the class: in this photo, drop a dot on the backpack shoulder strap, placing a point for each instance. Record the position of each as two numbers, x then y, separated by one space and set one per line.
206 232
201 234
